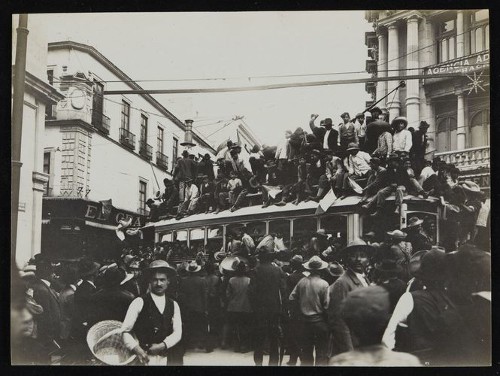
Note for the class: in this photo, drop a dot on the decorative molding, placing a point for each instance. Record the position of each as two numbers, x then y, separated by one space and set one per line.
42 90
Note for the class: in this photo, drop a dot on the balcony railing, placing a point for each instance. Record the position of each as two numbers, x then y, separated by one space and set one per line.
161 160
100 122
127 138
468 159
146 150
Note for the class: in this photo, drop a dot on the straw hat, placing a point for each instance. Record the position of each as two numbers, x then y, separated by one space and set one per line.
397 234
106 343
193 267
357 244
315 263
160 266
335 269
352 146
414 221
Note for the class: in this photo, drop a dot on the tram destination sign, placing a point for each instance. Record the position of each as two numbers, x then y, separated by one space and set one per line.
465 64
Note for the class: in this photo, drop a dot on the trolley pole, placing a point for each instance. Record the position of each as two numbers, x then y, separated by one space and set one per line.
17 124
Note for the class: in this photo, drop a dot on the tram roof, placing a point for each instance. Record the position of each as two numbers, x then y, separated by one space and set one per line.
250 213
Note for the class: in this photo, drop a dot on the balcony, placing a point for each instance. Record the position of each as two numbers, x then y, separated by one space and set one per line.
127 138
100 122
162 160
468 160
146 150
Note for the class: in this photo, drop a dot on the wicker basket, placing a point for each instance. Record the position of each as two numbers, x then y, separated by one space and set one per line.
106 343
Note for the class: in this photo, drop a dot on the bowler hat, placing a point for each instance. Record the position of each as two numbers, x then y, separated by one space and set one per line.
388 266
167 182
352 146
315 263
113 276
296 261
424 124
327 121
344 115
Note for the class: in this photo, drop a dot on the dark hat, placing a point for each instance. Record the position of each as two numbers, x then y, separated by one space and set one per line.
375 161
388 266
150 201
352 146
344 115
160 266
375 109
188 180
367 305
296 261
113 276
87 267
327 121
424 124
360 115
470 264
185 153
315 263
393 156
335 269
429 265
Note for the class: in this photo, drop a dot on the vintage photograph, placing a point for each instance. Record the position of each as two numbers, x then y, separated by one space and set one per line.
306 188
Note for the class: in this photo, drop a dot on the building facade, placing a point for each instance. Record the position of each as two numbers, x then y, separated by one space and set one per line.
99 148
426 43
38 95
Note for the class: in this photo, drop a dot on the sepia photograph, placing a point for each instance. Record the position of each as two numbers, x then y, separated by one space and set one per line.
254 188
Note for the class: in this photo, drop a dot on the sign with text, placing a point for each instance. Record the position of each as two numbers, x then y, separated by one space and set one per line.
466 64
89 211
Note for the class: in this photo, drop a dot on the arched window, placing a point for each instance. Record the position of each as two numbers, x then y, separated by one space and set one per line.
480 129
446 139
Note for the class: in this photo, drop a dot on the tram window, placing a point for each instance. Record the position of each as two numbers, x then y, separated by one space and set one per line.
303 230
197 239
335 225
429 226
214 238
281 228
167 237
256 230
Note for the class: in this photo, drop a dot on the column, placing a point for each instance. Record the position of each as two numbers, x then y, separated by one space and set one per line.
460 34
393 105
460 121
382 65
412 65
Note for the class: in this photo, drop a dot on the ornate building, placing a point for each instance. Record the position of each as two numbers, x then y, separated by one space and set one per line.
426 43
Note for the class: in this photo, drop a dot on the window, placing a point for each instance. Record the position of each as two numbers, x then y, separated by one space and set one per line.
480 31
175 150
144 129
50 76
481 15
46 170
446 134
479 129
447 41
143 186
125 115
159 140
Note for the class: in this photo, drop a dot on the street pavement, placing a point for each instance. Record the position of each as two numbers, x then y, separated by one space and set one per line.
221 358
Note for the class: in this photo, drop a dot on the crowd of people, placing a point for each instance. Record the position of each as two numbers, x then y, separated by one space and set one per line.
394 301
367 157
390 298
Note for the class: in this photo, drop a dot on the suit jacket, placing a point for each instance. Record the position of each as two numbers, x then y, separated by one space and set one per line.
267 289
193 293
337 292
83 311
186 168
49 322
111 304
320 132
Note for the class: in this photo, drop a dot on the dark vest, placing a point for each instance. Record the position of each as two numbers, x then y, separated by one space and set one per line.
152 326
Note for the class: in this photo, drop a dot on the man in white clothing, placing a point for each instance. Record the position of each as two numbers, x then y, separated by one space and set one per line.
153 327
191 196
402 139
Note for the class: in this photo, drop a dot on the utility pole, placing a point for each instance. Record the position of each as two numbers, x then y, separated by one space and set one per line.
17 125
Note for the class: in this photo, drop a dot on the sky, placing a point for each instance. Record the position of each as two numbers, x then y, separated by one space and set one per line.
235 46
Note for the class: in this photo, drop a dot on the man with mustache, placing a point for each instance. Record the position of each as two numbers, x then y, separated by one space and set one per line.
356 260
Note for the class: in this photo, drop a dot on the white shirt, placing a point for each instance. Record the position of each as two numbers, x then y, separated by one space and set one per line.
401 141
325 139
191 192
399 316
46 282
362 278
482 217
358 164
135 309
426 172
